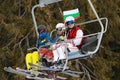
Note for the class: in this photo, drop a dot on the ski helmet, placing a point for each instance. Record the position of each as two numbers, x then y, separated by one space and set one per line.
60 26
41 27
69 20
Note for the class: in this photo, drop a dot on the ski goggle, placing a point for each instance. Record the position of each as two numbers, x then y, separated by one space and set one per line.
40 31
69 22
59 29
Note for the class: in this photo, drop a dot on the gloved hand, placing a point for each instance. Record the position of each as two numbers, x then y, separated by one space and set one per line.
48 43
61 37
43 41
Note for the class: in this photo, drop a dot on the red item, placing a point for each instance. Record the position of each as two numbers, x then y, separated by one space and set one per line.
45 53
72 34
42 31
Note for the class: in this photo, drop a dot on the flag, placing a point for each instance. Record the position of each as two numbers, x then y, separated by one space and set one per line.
74 13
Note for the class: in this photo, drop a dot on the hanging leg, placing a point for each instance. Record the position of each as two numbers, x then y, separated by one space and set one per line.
28 59
56 55
61 52
35 58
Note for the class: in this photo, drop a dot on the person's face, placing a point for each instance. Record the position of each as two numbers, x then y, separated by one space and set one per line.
59 32
40 31
70 25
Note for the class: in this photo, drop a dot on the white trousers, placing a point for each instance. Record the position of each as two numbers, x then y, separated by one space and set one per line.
59 50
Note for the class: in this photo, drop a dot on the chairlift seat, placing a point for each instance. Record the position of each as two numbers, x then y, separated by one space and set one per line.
89 44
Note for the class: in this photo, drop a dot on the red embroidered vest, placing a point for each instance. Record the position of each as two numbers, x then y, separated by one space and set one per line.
72 34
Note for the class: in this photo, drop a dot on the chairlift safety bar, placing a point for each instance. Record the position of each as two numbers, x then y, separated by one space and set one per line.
88 22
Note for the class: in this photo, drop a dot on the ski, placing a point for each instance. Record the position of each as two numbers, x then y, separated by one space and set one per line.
67 72
25 73
37 78
11 70
36 72
30 74
44 68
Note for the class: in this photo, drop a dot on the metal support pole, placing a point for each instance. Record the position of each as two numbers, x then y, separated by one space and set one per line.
102 28
34 19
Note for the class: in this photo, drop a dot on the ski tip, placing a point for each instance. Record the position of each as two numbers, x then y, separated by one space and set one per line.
5 68
17 68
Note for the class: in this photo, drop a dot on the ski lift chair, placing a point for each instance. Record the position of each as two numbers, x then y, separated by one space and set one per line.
91 42
88 48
